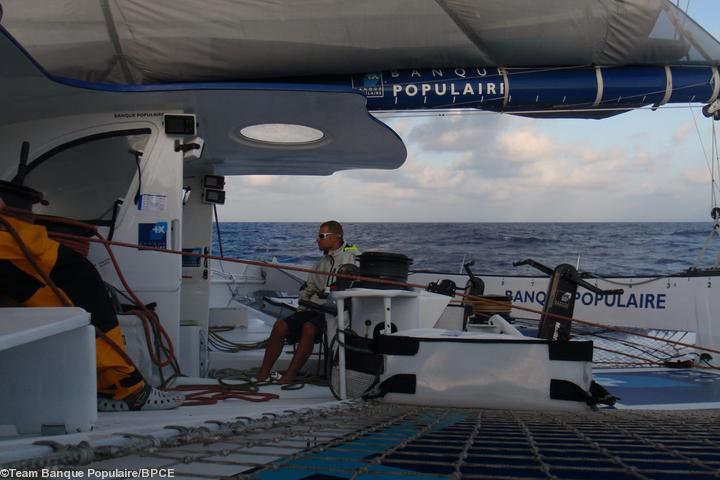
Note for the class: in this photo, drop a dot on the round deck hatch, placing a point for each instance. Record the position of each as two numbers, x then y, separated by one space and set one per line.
281 134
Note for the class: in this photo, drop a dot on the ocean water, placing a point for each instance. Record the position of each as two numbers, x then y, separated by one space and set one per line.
602 248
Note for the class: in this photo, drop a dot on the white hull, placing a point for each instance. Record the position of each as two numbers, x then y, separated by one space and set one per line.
479 370
688 303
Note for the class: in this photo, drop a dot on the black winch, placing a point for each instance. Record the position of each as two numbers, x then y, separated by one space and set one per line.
384 266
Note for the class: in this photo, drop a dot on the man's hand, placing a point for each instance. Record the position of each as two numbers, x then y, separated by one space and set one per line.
319 307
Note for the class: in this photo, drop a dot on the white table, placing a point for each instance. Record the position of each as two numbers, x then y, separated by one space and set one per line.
386 295
47 370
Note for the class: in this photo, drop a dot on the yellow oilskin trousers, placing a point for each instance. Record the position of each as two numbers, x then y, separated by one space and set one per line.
80 284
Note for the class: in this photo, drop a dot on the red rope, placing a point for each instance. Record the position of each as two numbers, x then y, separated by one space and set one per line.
394 283
147 316
107 244
211 394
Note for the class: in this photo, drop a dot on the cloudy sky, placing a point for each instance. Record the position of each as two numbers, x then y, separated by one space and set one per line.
485 167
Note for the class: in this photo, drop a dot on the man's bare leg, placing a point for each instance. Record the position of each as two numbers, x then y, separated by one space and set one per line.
302 353
273 349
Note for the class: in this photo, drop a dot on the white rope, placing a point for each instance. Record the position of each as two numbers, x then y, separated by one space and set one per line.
447 112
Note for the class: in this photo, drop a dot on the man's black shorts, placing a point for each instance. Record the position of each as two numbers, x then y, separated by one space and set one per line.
296 321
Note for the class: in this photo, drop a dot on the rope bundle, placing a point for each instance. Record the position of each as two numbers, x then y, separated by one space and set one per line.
485 306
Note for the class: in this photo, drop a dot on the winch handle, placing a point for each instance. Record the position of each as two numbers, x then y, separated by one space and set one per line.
533 263
467 266
476 282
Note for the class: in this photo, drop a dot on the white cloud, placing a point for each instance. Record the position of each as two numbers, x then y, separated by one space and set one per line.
490 168
258 180
696 176
526 144
682 132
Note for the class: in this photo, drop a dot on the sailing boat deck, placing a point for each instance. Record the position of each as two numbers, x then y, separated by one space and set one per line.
306 432
375 440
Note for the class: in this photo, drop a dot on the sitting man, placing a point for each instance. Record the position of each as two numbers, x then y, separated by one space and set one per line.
37 271
305 326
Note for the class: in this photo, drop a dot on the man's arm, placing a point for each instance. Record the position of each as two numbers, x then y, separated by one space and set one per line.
308 290
312 286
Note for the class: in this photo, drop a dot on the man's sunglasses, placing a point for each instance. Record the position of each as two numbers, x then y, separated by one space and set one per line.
323 236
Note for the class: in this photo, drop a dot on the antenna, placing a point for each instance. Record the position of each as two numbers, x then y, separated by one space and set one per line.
14 193
22 167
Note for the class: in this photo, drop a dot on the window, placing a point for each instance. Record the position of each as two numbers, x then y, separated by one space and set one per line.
82 179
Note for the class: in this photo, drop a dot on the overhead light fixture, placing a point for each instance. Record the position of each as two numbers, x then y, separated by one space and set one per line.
280 134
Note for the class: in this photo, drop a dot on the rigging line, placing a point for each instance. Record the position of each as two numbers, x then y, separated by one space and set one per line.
606 102
628 284
629 355
715 163
108 244
639 95
655 92
47 279
687 5
219 237
619 364
509 72
677 24
447 112
713 200
702 144
648 350
150 315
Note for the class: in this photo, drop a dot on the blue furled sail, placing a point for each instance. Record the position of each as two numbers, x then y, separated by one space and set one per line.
592 92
